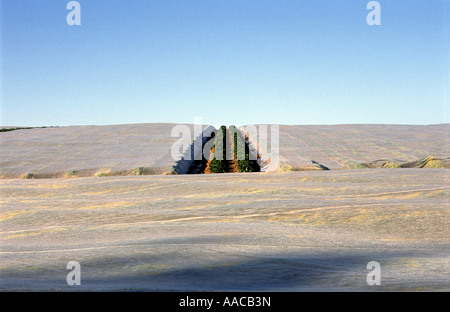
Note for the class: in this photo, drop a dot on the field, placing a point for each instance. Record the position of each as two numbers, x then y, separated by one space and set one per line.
143 149
314 230
285 230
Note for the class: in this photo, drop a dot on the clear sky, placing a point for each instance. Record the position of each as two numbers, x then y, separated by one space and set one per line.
226 61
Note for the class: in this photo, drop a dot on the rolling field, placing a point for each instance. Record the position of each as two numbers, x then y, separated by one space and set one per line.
310 230
80 151
145 149
344 146
106 197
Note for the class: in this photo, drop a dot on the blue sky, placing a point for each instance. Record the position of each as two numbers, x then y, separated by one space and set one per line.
226 61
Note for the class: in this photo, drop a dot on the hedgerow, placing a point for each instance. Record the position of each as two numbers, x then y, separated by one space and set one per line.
246 164
219 165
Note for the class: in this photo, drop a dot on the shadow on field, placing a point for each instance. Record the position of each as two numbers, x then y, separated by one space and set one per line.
262 272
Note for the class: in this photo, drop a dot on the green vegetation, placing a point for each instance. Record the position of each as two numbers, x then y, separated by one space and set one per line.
355 165
171 172
426 162
13 129
434 163
22 128
29 176
139 171
389 164
103 173
219 165
246 164
71 174
234 165
285 167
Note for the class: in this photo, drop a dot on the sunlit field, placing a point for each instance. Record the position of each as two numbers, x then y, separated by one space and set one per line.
308 230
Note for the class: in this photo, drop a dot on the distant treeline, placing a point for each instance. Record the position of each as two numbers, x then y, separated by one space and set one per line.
23 128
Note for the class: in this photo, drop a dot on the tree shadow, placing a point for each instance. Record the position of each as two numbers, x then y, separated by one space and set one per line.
299 271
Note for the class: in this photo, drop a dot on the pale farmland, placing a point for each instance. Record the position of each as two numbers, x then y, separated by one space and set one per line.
271 231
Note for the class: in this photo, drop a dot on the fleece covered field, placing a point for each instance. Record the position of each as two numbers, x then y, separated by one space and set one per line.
347 146
101 196
308 230
83 151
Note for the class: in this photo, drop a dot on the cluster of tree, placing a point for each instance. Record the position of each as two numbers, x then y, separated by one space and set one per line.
216 164
242 153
